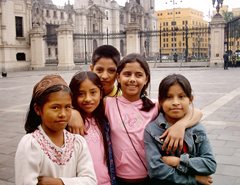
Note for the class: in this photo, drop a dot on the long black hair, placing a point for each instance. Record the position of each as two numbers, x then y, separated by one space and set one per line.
32 119
98 113
134 57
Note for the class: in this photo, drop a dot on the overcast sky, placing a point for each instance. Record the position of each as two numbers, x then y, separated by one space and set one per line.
202 5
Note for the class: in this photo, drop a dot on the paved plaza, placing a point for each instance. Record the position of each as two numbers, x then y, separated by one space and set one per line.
216 91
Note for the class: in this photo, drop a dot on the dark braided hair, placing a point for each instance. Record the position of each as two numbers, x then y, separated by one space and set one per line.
134 57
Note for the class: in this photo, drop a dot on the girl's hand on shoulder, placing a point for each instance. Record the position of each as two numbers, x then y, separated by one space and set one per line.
173 138
43 180
174 135
171 160
76 124
205 180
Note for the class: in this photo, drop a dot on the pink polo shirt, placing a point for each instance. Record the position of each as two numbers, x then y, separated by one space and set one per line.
95 144
128 164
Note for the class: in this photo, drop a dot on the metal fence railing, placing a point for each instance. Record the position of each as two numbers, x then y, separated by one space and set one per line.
163 45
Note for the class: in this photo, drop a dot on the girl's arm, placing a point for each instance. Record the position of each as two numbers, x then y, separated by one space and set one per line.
85 174
49 180
157 169
27 161
203 161
173 136
76 123
174 162
205 180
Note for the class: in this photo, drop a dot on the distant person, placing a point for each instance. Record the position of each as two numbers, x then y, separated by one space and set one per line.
175 57
234 60
48 154
195 162
226 60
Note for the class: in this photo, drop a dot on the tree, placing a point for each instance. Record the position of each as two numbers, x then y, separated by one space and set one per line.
228 16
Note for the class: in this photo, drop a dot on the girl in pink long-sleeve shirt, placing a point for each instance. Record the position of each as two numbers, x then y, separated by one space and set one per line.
88 100
128 115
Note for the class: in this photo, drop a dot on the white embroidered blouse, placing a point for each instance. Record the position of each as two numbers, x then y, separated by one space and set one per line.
38 156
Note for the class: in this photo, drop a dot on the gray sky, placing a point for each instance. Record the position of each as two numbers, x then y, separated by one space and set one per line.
202 5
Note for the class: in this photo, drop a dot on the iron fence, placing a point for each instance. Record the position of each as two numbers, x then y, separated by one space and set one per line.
186 43
232 41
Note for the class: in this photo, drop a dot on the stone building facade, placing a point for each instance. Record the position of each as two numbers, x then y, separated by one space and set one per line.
94 23
15 24
106 22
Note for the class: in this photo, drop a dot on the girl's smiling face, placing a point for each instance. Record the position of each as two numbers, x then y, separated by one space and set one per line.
132 79
89 96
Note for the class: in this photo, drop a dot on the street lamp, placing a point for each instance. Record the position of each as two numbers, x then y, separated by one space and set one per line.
160 43
85 45
147 43
107 35
198 42
173 24
219 4
186 37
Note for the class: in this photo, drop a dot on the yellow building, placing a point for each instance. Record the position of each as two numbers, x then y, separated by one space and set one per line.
174 37
236 12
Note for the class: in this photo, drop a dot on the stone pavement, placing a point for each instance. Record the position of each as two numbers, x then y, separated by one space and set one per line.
217 94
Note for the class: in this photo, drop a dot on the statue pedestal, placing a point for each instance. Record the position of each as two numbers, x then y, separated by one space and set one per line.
133 44
217 41
37 48
65 47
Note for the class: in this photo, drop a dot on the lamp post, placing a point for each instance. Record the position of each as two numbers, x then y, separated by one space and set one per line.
85 45
160 43
173 25
107 35
186 37
198 42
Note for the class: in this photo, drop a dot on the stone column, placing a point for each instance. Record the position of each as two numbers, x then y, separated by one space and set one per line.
217 41
7 35
133 40
37 47
65 46
115 24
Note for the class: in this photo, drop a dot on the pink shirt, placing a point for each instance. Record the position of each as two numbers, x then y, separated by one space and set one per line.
95 143
128 164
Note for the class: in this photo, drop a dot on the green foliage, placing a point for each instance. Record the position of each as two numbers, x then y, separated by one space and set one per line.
228 16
